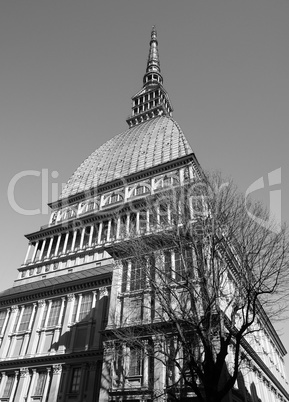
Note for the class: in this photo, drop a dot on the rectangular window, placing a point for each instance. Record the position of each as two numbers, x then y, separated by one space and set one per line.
85 308
8 386
135 362
2 319
44 315
25 318
54 313
137 275
163 214
168 266
113 228
73 317
39 388
179 267
16 320
75 380
132 223
124 277
142 221
104 232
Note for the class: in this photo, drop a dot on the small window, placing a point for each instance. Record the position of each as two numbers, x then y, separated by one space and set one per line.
41 380
135 362
8 386
137 275
25 318
75 380
115 197
85 308
54 313
2 319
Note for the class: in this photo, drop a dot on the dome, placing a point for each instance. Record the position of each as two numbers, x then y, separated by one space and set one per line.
141 147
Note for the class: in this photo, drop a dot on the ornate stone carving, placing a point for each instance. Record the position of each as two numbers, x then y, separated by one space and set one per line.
14 308
103 292
57 368
41 303
24 372
70 297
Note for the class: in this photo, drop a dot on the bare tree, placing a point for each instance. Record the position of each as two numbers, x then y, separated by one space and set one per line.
195 284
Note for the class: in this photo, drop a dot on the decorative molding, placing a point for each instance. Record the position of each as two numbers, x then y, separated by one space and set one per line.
57 369
103 292
41 303
70 297
24 371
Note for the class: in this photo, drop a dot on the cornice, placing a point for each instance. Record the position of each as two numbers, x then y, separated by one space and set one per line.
120 182
56 290
83 356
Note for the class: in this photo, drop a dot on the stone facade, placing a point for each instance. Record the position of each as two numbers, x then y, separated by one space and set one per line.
69 291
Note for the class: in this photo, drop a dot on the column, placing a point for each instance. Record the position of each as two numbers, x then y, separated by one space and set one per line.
23 385
4 326
91 380
65 243
35 251
58 328
32 384
145 364
42 249
82 238
107 368
20 318
3 382
90 323
28 252
128 276
108 231
78 307
159 368
36 331
14 386
118 228
137 222
56 376
74 240
57 245
99 233
7 336
65 327
127 225
90 235
71 343
49 247
82 380
28 333
65 379
45 392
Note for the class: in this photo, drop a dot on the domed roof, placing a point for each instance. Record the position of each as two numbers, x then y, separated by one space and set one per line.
141 147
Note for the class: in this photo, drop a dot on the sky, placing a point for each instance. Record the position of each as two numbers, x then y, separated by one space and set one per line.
70 67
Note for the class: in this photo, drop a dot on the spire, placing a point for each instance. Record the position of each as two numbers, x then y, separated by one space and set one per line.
152 100
153 63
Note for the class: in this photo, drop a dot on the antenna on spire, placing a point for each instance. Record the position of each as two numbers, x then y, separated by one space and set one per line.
153 63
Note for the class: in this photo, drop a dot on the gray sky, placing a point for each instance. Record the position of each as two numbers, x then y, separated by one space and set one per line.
69 68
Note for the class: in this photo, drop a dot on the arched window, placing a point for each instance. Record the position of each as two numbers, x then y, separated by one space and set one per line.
114 198
140 190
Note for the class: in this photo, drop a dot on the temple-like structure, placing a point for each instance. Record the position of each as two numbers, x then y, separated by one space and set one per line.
53 320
